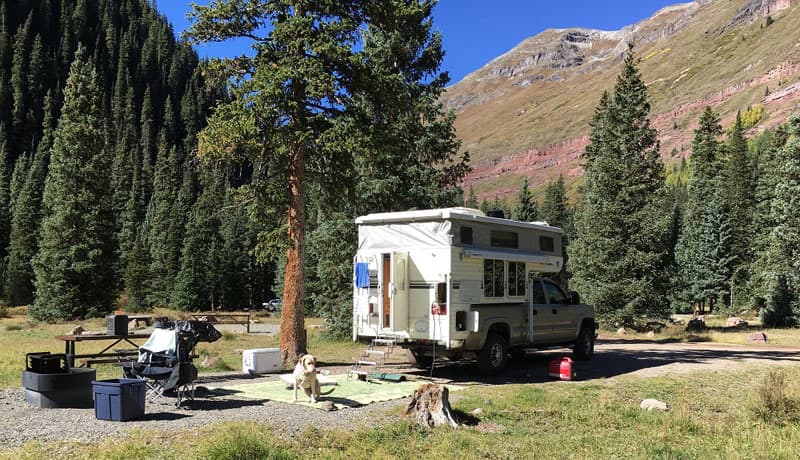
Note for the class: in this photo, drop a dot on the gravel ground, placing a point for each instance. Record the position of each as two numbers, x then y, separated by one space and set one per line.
21 423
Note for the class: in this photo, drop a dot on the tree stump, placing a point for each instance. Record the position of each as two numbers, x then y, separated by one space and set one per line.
430 406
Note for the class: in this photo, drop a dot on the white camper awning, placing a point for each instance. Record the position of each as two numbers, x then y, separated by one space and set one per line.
542 260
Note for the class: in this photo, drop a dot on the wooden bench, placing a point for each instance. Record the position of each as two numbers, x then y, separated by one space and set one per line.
108 358
224 318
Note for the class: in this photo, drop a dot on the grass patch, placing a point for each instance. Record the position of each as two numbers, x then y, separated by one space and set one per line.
244 441
711 416
778 402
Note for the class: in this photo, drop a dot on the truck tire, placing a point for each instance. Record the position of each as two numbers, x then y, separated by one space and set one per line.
494 355
584 344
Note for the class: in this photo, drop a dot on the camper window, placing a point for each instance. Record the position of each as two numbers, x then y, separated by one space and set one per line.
494 276
466 235
504 239
516 279
546 244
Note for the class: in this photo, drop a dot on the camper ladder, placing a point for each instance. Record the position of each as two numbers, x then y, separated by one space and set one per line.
372 358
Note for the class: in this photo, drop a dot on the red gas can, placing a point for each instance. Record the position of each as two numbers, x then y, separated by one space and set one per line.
561 368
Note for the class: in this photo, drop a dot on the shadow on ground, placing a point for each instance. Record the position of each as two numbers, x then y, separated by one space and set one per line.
612 358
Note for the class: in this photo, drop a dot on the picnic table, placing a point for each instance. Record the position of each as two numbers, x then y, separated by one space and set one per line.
147 320
107 355
224 318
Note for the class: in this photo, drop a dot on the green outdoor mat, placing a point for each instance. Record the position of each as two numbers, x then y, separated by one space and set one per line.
347 393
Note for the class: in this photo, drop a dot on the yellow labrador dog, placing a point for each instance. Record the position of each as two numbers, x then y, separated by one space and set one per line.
305 377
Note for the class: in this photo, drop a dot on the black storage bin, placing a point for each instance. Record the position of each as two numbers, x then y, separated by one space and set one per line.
44 362
118 325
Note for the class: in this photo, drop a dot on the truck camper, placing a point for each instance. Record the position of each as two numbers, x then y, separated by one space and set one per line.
455 282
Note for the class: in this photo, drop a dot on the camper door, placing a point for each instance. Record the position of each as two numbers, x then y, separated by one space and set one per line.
394 291
399 291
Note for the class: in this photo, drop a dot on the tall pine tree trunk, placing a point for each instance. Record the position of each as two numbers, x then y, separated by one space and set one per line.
293 338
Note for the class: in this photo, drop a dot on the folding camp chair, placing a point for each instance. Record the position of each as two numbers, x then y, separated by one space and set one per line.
165 360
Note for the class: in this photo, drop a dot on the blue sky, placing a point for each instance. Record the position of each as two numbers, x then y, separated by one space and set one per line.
476 31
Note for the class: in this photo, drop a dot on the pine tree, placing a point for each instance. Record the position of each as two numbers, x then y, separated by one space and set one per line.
19 83
618 260
526 209
6 52
321 68
740 191
5 209
73 269
779 266
198 283
234 257
715 258
696 245
555 210
26 220
137 276
767 179
165 241
21 168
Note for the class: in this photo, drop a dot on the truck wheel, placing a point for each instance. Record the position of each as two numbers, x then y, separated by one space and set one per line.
494 355
584 344
419 360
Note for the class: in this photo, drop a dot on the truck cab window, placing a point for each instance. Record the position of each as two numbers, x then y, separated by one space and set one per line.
555 294
537 293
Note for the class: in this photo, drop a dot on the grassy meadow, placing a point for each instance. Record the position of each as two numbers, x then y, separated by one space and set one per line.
753 412
711 416
20 335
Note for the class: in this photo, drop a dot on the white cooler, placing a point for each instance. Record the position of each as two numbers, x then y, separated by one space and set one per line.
261 360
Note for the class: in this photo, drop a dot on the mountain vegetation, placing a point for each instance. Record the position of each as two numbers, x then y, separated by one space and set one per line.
135 175
526 113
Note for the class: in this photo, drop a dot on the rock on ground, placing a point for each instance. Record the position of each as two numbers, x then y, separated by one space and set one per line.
653 404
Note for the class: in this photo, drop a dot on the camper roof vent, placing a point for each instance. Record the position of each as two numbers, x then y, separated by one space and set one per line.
496 213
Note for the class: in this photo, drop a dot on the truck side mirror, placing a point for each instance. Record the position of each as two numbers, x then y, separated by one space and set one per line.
574 297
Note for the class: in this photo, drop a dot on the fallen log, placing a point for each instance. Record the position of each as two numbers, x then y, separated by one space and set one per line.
430 406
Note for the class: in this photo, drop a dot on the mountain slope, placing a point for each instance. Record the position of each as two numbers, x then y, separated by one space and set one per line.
527 112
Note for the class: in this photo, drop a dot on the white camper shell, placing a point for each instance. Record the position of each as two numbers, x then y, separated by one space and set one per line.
438 277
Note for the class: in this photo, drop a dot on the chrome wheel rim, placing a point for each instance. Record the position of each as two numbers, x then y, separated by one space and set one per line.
496 355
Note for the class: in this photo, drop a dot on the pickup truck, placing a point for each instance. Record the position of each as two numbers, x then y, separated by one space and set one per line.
500 329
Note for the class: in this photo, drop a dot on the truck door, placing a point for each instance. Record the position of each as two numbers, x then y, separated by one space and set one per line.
563 315
542 323
399 291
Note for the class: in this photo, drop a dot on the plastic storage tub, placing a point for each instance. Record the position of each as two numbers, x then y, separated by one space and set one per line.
119 399
117 325
261 360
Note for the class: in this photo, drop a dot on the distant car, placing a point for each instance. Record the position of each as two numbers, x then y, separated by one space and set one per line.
273 305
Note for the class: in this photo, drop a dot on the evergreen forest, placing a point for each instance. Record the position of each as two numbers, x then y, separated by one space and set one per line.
134 174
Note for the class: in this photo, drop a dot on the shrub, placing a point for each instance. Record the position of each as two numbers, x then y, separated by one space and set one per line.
3 311
752 116
777 402
228 335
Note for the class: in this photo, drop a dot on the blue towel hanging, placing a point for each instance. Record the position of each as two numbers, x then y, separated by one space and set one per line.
362 275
